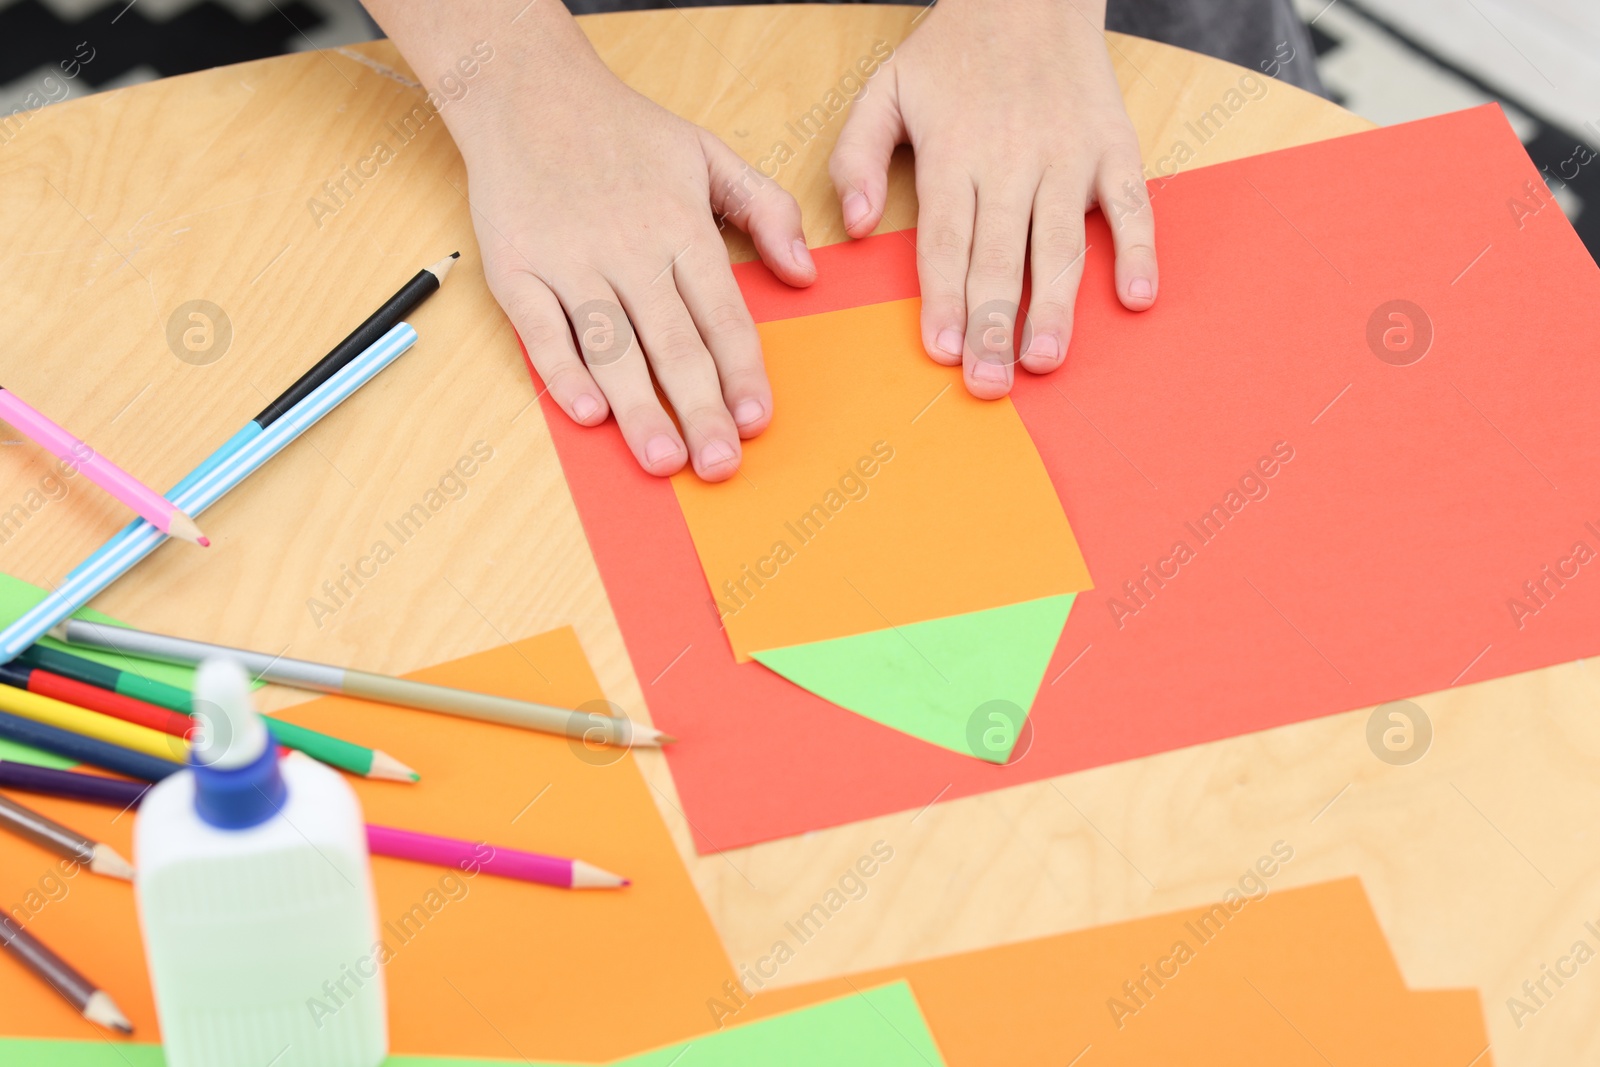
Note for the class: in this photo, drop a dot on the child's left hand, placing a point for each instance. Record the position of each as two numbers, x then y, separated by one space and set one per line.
1018 126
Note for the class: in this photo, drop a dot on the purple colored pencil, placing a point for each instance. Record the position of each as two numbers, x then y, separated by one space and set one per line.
72 785
490 859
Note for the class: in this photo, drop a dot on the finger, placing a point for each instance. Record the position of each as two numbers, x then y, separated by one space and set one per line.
1058 258
859 165
761 208
616 361
706 284
1125 201
542 325
994 287
945 204
686 372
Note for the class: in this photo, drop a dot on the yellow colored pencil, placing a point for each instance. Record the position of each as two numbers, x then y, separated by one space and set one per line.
93 724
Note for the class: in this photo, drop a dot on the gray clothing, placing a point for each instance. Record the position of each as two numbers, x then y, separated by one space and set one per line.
1264 35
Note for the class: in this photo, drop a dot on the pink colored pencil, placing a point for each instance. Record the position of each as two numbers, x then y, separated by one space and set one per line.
490 859
150 505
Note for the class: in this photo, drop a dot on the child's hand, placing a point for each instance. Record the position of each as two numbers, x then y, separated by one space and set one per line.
595 207
1015 115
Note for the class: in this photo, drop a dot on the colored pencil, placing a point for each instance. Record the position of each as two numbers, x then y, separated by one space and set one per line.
381 840
319 677
77 747
139 540
93 724
104 676
334 751
71 691
71 785
422 285
63 841
75 989
155 508
505 862
426 282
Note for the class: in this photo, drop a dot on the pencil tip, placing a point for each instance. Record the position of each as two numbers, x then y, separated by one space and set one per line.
204 542
386 766
442 268
103 1010
181 525
109 862
588 876
59 632
638 735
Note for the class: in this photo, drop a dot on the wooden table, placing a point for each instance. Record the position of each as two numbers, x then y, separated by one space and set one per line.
120 208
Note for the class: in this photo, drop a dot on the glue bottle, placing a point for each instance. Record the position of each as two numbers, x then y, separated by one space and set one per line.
255 897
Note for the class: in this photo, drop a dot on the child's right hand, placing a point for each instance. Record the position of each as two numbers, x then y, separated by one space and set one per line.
597 207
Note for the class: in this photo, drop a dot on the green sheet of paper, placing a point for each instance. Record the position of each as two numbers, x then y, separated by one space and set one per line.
964 683
16 597
880 1027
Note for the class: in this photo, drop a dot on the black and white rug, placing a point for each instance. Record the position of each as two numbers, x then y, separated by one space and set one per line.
52 50
1396 60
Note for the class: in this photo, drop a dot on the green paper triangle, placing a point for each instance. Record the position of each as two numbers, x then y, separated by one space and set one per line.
964 682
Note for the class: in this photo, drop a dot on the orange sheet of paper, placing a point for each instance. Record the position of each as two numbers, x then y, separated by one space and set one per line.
883 494
504 969
1301 978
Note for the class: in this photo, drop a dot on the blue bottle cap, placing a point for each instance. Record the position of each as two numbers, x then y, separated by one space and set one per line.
236 798
237 781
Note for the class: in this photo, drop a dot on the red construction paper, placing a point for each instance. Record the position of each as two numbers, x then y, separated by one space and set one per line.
1387 559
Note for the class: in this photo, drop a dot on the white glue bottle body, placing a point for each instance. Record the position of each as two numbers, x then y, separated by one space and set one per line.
255 898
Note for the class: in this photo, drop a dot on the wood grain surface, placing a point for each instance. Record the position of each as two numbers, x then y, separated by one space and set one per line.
121 208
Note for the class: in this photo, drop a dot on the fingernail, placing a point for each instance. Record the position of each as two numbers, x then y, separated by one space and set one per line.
1141 289
1044 347
660 449
748 413
584 407
949 341
716 454
985 371
802 256
855 209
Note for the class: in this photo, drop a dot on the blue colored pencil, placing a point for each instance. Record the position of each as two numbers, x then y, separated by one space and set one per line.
422 285
90 750
206 488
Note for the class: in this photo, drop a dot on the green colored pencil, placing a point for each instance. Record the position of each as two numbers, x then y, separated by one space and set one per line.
356 759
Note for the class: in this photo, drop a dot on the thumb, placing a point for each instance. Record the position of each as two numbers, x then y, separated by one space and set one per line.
859 166
756 204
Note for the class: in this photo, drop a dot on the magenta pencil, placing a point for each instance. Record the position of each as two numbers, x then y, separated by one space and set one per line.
151 505
490 859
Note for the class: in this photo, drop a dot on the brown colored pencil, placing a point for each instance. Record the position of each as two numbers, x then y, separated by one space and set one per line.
63 841
95 1004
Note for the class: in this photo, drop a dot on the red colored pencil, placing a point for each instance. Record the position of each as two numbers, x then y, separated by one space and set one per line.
490 859
67 690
